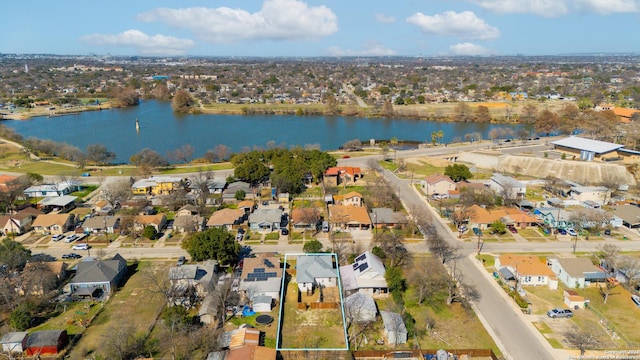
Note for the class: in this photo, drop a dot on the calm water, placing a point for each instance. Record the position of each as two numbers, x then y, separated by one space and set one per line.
163 131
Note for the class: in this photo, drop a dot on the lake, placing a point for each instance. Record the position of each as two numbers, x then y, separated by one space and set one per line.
162 130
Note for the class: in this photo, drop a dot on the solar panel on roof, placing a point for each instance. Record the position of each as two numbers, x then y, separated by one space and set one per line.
259 270
355 266
268 263
272 274
364 267
361 257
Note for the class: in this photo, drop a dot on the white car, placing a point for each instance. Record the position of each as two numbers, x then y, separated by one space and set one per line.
71 238
82 246
572 232
57 237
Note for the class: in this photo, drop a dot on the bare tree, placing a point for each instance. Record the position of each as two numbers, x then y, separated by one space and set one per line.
182 154
426 275
609 253
116 191
454 285
582 339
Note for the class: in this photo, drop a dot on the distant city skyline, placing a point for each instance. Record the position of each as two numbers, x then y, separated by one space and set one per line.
275 28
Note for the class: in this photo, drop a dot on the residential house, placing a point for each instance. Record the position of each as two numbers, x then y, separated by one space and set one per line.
365 275
187 210
265 219
261 276
508 187
482 218
13 342
528 270
360 308
586 149
188 223
394 328
209 312
630 215
352 198
102 275
337 175
305 218
46 342
349 217
314 271
192 281
226 218
9 224
102 207
229 194
6 182
576 272
386 217
101 225
158 221
625 115
597 194
216 186
159 185
52 223
238 338
555 218
284 198
573 300
47 190
247 206
57 203
438 184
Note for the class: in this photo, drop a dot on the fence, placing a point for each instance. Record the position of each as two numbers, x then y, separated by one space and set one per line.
421 354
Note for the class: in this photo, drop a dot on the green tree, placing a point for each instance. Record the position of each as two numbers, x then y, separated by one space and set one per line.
213 243
312 247
395 280
499 227
458 172
13 254
149 232
250 167
377 251
240 195
20 318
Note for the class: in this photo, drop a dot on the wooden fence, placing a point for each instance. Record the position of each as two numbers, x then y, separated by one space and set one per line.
421 354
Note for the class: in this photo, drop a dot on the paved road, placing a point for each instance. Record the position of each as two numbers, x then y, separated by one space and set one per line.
515 337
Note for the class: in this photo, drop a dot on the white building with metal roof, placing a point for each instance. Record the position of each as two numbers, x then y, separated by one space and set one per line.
587 149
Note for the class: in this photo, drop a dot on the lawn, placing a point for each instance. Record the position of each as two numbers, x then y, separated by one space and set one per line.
135 305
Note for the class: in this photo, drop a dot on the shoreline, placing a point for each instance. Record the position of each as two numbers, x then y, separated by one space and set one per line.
42 112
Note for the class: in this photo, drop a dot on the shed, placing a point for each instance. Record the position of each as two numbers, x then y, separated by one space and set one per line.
262 303
573 300
394 328
14 342
46 342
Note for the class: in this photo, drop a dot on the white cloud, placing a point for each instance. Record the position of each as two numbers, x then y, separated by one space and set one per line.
143 43
553 8
370 49
469 49
382 18
450 23
276 20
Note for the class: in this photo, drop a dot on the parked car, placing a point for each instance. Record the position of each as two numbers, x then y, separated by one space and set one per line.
636 300
513 229
559 313
57 237
71 256
82 246
477 231
285 231
181 261
607 232
462 228
239 236
562 231
572 232
71 238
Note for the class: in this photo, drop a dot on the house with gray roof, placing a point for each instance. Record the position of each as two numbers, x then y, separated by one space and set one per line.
365 275
387 217
265 219
103 275
576 272
101 224
13 342
360 308
394 328
192 280
597 194
229 194
316 270
586 149
514 189
630 215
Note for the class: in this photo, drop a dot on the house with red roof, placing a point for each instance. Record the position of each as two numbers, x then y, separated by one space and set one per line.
337 175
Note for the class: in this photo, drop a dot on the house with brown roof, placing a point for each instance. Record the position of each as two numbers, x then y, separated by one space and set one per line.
349 217
238 338
52 223
305 218
261 276
337 175
482 218
625 115
251 352
188 223
158 221
529 270
5 181
226 218
10 224
438 184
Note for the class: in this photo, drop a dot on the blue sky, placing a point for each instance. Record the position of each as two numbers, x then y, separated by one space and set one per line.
320 27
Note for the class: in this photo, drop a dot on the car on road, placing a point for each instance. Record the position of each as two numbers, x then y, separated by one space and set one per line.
82 246
559 313
57 237
181 261
71 256
572 232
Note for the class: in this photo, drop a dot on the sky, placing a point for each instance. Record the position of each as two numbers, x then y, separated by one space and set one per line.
308 28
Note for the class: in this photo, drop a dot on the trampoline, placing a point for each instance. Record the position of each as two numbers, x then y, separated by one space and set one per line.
264 319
